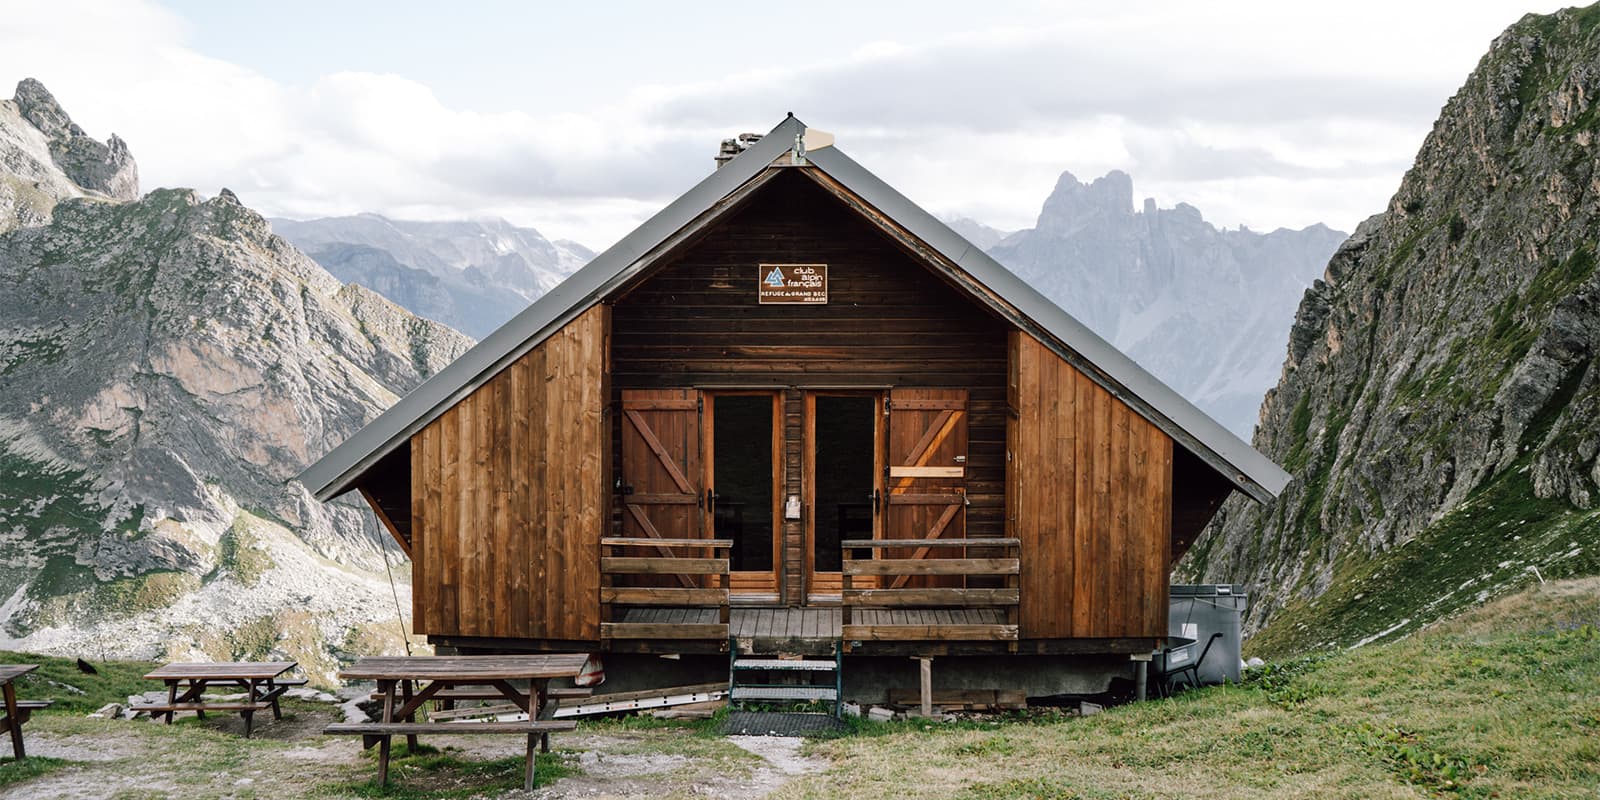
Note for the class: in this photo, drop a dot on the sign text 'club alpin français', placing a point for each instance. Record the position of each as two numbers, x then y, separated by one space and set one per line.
793 283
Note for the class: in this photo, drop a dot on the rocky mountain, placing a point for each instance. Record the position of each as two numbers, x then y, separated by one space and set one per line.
976 232
167 366
45 158
1205 310
1439 406
471 275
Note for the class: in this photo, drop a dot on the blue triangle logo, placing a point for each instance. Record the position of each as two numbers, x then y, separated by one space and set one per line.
775 278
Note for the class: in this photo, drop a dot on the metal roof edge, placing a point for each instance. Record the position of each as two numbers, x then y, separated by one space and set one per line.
334 473
1177 410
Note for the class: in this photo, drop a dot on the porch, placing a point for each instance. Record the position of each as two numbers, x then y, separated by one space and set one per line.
916 604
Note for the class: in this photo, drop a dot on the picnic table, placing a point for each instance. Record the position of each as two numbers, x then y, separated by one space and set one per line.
16 711
187 685
405 683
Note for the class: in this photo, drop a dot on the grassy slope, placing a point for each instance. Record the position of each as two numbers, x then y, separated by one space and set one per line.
1500 539
1504 701
1501 701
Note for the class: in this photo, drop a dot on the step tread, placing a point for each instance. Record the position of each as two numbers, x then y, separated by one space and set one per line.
813 665
784 693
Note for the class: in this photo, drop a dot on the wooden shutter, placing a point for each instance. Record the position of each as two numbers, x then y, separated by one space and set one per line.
662 478
927 478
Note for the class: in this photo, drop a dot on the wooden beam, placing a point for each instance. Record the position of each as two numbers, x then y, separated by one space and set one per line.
631 565
932 633
934 566
910 598
662 596
850 544
663 630
383 519
644 541
927 472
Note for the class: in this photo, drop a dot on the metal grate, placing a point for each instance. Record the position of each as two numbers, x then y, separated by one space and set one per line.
780 723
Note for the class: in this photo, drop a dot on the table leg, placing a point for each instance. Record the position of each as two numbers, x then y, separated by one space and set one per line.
387 688
172 697
196 695
272 687
13 720
531 780
411 738
538 691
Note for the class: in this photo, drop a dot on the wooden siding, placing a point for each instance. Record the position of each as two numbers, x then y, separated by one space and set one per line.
1090 499
889 321
510 490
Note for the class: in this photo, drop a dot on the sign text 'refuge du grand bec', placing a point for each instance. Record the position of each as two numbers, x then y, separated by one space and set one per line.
793 283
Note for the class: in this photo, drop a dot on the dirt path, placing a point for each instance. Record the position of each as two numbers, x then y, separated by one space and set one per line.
290 759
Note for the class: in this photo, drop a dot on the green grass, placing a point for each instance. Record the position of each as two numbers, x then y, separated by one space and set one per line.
75 692
13 771
431 774
1501 702
1481 549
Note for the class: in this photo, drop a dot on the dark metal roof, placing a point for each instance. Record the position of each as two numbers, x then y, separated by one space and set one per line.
337 472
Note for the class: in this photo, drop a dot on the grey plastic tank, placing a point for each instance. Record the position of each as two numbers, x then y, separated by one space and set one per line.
1198 610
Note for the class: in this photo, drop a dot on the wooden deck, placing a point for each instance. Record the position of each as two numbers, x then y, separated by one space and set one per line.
809 629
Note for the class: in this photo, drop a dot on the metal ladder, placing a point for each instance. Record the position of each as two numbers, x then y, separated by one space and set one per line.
742 668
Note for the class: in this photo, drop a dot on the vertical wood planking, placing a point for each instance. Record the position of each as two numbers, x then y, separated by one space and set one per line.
1090 480
510 495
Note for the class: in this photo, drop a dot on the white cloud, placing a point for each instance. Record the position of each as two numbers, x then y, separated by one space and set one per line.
1261 115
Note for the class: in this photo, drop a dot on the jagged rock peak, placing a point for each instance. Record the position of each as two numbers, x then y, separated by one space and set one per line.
1073 203
106 167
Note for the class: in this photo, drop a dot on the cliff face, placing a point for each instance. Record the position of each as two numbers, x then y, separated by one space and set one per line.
167 366
1205 310
1438 405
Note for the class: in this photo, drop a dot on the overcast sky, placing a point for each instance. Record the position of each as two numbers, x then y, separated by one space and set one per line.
581 119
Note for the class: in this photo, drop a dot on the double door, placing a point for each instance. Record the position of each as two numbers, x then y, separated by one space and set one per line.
788 476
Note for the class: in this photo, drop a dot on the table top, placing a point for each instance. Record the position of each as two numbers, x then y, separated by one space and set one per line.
11 672
466 668
223 670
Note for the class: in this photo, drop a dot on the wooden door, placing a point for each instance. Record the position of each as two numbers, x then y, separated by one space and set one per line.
927 459
661 466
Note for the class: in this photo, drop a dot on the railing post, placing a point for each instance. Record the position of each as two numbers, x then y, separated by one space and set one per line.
605 583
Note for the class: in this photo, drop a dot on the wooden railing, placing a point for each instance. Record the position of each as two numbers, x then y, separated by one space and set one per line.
656 612
893 613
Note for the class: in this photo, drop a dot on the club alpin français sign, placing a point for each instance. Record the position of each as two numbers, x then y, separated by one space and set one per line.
792 283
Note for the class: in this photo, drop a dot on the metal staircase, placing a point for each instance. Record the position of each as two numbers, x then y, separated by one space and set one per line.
773 677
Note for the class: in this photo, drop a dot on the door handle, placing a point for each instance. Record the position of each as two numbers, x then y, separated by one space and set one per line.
877 501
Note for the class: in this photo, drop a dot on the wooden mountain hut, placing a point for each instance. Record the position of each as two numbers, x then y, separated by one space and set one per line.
795 412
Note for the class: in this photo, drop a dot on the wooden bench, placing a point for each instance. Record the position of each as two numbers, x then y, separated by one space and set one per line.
25 709
573 693
378 733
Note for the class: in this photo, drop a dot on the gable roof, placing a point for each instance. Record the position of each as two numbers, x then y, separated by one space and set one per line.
1247 469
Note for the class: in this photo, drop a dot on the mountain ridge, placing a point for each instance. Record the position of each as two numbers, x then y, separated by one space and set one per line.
1438 398
169 366
1201 308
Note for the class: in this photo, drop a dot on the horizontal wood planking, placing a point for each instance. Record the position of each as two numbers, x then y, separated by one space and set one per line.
637 565
917 598
694 321
662 596
1090 499
509 492
663 630
931 633
851 544
647 541
933 566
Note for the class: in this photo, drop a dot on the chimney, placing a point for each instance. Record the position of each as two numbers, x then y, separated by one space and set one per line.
733 147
